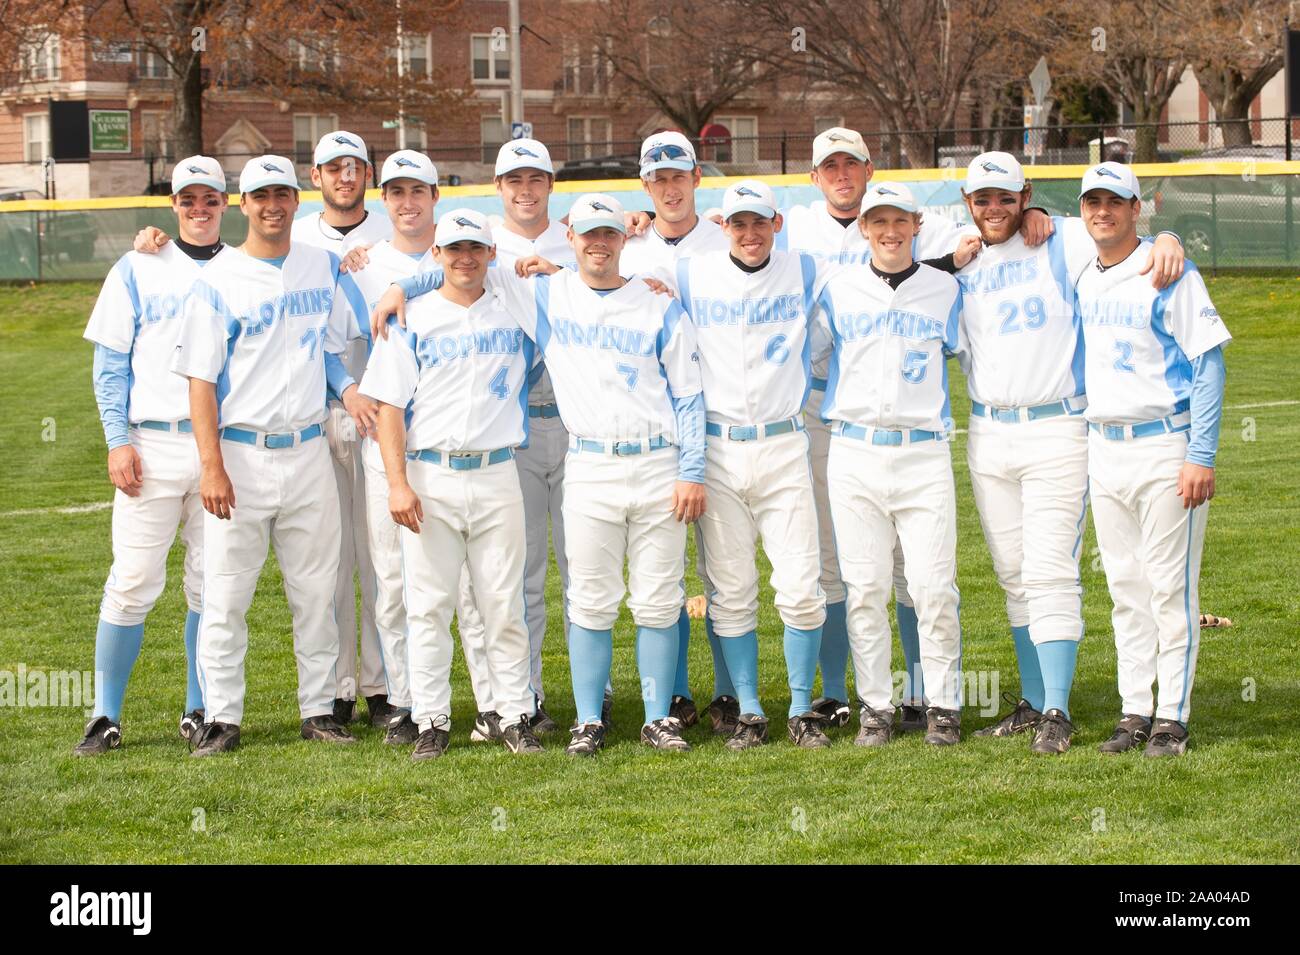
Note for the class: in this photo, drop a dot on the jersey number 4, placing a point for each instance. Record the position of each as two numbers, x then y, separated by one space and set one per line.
498 385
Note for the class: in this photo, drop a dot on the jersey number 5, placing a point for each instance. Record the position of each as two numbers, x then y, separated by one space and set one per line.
915 365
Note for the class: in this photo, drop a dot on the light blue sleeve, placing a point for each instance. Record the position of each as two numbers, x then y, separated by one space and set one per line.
689 413
337 379
421 283
112 377
1208 376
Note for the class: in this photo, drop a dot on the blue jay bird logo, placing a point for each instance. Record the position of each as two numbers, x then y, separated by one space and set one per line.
883 191
465 223
403 161
993 167
524 151
601 207
197 170
344 141
1103 171
837 138
746 191
271 167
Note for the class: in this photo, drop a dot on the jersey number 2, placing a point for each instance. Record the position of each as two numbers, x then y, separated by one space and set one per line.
1124 356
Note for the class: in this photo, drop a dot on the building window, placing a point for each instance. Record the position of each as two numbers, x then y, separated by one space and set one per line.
314 54
152 66
586 71
494 133
308 128
156 133
742 147
418 56
490 56
823 123
416 136
39 61
589 136
36 136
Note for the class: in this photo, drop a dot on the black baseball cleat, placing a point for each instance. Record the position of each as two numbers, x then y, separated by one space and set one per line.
519 738
487 727
806 731
401 728
683 710
190 724
1168 738
1053 733
102 734
379 710
607 710
943 727
833 712
432 743
665 734
541 723
723 714
327 729
875 728
1132 731
343 711
586 739
750 731
1023 717
912 719
215 738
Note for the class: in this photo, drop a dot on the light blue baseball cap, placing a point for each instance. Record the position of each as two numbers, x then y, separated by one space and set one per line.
338 144
994 171
1113 177
409 164
596 210
749 195
266 171
667 150
523 154
893 194
198 171
463 225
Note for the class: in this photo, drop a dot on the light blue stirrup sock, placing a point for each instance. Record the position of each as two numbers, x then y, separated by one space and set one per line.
1031 676
682 683
722 685
656 661
834 653
116 650
590 654
193 691
910 638
801 648
1056 660
741 654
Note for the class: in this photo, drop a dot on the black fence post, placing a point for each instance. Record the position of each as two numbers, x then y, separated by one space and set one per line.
783 152
1214 225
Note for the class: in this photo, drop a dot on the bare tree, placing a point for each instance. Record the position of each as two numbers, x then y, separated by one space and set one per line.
1238 47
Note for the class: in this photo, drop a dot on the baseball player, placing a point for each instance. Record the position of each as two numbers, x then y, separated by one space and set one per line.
626 377
750 307
453 385
152 459
256 332
1028 446
887 330
670 175
1154 371
830 229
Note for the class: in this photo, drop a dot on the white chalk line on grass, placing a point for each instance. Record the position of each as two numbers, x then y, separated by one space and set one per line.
73 509
1261 404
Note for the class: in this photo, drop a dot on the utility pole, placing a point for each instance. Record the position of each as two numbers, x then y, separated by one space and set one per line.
516 66
401 81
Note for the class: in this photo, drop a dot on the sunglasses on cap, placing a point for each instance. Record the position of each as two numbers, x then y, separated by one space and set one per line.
660 153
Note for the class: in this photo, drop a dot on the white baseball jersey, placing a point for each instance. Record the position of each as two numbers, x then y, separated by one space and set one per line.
312 229
814 230
888 347
552 245
139 312
460 373
359 292
616 360
651 254
261 332
1019 320
752 331
1140 342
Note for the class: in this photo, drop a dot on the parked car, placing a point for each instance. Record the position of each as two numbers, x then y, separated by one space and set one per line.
615 167
74 232
1218 215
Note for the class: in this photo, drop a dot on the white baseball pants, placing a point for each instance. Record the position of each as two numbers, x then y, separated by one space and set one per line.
762 487
617 507
144 528
880 496
285 496
1030 482
473 518
1151 551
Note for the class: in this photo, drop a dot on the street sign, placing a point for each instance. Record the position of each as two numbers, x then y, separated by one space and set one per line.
1040 80
110 130
391 124
521 130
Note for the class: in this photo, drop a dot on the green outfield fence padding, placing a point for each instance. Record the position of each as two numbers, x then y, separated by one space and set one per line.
1231 215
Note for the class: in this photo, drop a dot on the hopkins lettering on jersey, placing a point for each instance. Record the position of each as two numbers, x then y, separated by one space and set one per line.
1103 313
433 350
625 341
1001 276
707 311
312 301
896 322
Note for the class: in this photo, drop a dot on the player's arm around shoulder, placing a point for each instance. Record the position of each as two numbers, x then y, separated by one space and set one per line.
680 359
1191 317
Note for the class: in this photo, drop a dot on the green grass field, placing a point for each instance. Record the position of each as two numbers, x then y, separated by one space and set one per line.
1235 797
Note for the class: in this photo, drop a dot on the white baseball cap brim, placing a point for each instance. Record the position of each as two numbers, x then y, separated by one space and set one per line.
523 154
198 171
596 211
409 164
837 139
749 195
264 171
895 196
338 144
994 171
1112 177
463 225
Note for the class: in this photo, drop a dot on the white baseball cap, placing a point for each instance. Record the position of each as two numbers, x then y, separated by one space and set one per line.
837 139
266 171
198 171
338 144
893 194
749 195
595 210
463 225
667 150
1113 177
994 171
523 154
409 164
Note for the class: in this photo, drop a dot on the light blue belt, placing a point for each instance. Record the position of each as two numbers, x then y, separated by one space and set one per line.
462 460
1171 424
818 384
750 432
621 448
1032 413
182 427
272 441
882 437
544 411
